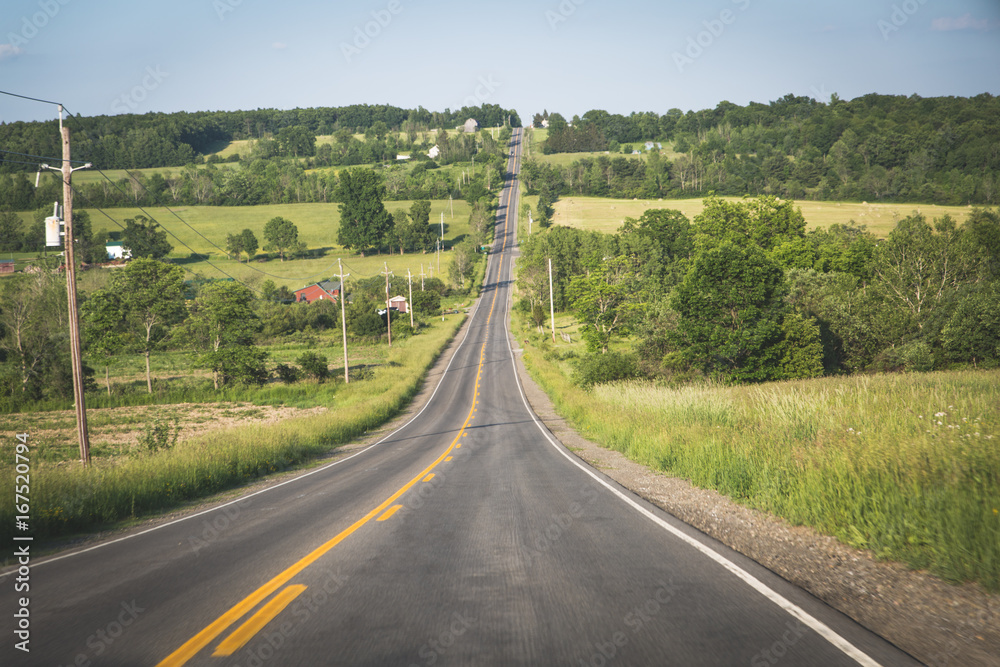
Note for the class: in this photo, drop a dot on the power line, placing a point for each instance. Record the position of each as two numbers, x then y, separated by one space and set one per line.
25 97
41 157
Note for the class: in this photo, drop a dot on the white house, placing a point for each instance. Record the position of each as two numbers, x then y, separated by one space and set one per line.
471 126
434 152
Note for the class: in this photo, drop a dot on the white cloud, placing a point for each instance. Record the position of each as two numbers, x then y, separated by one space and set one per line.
9 51
278 46
965 22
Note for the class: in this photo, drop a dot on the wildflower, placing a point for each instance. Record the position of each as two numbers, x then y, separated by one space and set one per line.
940 414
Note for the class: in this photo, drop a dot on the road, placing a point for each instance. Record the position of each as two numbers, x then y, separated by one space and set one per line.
467 537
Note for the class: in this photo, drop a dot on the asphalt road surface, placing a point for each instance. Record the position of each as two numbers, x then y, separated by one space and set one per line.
467 537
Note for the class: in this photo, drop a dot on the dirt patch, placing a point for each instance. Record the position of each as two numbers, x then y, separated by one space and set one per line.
936 622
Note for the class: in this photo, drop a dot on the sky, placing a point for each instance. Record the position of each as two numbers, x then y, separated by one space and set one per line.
570 56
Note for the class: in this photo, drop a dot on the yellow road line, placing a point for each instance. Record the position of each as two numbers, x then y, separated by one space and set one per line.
429 477
242 634
392 510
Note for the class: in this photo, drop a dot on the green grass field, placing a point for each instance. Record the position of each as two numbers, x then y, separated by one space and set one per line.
317 224
607 215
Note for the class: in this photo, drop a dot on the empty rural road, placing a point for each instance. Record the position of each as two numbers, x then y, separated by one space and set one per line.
467 537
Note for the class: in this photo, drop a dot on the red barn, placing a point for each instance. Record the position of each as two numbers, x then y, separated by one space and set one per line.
326 290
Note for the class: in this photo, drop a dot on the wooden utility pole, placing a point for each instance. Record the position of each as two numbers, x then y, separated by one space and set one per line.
409 278
76 356
552 307
421 277
343 318
388 313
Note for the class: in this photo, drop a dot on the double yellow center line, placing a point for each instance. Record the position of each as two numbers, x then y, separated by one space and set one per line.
239 637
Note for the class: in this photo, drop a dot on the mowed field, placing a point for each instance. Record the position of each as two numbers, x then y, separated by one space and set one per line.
607 215
203 230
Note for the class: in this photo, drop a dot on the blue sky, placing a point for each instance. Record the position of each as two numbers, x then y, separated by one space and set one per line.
569 56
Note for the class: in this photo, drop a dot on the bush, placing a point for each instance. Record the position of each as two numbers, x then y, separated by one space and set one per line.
314 365
157 436
595 368
287 374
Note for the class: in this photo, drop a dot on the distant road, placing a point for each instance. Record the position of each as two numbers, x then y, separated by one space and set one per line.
467 537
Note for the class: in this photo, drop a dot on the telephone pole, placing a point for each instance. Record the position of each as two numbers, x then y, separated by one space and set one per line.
343 318
552 307
388 313
421 277
409 278
76 356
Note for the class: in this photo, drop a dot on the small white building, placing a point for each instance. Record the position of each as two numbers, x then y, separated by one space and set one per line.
434 152
116 250
471 126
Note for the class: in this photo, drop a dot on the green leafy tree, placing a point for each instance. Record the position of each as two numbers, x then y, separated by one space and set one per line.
11 231
608 299
152 301
730 306
363 218
417 232
222 323
243 243
102 326
764 221
143 238
801 348
972 333
280 234
463 262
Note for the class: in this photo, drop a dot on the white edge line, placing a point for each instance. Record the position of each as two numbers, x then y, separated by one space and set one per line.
276 486
793 609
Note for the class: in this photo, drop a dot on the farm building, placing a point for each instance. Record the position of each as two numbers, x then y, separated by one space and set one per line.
399 303
471 126
6 266
326 290
434 152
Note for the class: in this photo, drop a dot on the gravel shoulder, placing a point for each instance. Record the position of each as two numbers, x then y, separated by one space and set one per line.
936 622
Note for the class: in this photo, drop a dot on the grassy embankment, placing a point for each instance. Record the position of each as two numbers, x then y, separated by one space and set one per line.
907 466
68 498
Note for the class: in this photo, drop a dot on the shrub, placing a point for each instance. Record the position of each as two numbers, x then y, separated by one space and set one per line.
314 365
287 374
595 368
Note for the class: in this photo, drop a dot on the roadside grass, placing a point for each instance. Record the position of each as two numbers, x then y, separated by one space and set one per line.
607 215
68 498
906 466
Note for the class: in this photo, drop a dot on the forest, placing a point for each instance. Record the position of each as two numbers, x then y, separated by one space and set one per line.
743 293
943 150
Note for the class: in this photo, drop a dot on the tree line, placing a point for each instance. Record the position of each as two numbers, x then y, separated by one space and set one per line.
943 150
743 293
132 141
267 174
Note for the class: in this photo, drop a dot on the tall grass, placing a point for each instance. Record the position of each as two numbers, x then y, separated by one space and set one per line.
907 466
66 499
